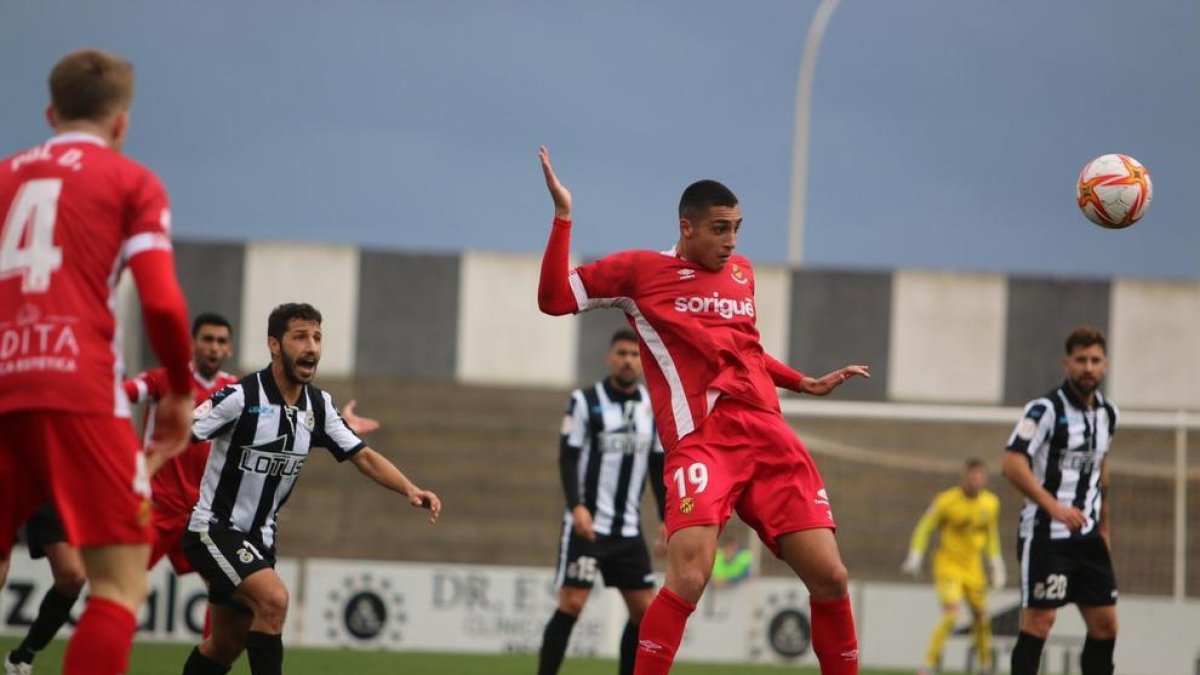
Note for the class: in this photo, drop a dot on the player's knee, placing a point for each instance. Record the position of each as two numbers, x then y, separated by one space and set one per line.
69 582
224 649
571 604
830 583
271 605
689 582
1103 628
1038 624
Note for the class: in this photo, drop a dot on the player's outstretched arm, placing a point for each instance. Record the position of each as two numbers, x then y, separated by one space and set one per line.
1016 469
920 541
555 296
820 386
381 470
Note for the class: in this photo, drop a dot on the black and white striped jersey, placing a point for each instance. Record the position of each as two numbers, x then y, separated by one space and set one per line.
1066 445
259 444
608 447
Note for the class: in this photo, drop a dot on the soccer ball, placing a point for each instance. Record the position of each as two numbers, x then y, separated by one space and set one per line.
1114 191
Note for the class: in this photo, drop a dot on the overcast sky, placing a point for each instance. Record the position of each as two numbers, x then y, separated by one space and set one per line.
945 134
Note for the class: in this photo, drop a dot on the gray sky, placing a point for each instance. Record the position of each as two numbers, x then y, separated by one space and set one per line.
946 134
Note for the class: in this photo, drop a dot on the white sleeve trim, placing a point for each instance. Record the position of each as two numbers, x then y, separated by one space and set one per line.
581 296
147 241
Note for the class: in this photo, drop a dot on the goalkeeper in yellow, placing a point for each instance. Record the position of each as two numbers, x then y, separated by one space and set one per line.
966 519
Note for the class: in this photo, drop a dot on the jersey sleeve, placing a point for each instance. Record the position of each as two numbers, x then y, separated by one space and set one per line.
926 525
148 227
993 542
148 385
1034 428
336 436
575 421
605 282
217 415
570 446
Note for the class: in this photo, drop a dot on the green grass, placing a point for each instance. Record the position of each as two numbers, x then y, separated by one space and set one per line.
168 658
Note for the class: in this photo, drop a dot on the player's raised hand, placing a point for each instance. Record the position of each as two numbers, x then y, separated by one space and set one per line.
912 564
823 385
359 425
172 427
425 499
558 192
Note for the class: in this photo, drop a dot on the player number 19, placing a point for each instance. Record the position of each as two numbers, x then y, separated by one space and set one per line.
697 475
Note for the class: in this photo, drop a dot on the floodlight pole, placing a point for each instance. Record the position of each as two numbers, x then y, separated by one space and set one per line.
799 190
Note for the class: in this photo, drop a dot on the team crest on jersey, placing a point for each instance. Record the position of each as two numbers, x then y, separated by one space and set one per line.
1026 428
738 275
686 505
309 420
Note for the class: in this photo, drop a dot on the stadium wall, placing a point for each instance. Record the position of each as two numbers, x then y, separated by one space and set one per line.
944 337
502 609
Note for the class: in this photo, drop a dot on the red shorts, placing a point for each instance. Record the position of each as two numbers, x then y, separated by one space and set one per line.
746 460
168 540
89 464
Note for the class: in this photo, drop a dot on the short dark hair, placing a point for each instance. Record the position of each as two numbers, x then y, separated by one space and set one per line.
283 315
209 319
90 84
974 463
1085 336
623 335
701 196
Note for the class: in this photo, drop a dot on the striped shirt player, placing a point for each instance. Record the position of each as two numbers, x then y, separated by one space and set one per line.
608 448
1058 458
1066 444
259 446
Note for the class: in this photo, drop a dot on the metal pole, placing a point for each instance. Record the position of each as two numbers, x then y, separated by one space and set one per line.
799 192
1181 481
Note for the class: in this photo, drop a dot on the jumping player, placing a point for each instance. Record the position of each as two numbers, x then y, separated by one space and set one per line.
713 390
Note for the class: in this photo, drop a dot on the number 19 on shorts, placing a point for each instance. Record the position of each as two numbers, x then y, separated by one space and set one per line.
696 475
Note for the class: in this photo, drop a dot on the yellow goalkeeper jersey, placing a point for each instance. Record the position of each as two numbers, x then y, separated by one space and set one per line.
967 527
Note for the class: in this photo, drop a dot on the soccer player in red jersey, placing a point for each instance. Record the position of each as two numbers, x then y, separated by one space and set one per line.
713 389
76 213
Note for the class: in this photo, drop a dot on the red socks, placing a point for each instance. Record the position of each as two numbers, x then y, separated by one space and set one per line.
660 634
833 638
102 640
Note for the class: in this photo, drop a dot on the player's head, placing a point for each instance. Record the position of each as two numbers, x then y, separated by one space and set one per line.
624 362
1086 359
294 338
709 220
975 476
91 90
212 343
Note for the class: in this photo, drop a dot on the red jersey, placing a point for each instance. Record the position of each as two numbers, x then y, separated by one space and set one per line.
176 485
698 332
75 213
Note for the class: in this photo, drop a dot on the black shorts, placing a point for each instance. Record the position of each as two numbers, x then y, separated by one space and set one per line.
43 529
223 558
623 562
1056 572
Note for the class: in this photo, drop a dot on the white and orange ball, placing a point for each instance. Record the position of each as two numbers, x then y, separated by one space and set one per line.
1114 191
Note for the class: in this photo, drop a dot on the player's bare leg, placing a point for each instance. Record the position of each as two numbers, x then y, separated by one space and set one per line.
67 567
117 576
1097 655
264 593
690 555
637 601
558 631
813 555
1035 628
226 642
